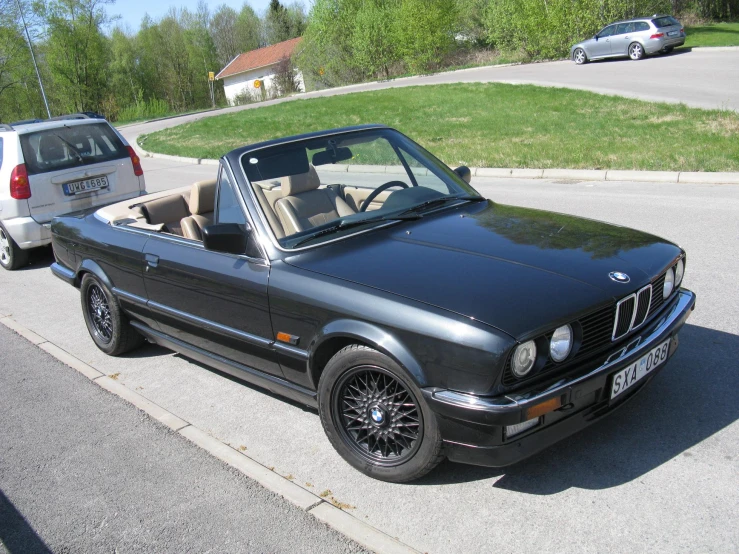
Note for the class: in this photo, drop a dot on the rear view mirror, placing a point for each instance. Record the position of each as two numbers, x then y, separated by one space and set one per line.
464 172
331 156
230 238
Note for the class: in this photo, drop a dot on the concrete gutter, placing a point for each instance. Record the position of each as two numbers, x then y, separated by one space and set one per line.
697 177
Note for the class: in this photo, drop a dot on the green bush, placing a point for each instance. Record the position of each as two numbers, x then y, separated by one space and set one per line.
144 110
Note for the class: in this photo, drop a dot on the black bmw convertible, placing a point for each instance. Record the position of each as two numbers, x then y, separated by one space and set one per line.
354 272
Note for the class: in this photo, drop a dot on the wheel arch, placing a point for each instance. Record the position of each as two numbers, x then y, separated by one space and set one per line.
90 266
340 333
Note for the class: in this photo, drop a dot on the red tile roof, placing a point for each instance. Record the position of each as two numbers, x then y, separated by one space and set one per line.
259 58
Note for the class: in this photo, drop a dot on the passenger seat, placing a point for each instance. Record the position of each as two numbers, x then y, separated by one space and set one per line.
202 204
304 205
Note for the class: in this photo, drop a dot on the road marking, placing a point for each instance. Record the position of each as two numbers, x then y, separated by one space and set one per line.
363 533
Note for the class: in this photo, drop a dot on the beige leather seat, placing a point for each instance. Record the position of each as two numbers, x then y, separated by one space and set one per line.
202 203
167 212
303 205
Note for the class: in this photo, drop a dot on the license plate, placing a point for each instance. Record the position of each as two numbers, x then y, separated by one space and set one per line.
671 33
88 185
629 376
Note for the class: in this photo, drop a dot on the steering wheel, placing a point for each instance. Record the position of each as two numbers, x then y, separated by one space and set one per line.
382 188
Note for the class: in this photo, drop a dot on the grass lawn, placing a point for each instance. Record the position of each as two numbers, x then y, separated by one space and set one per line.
491 125
717 34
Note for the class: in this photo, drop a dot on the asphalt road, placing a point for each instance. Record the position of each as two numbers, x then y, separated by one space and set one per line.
659 475
702 78
83 471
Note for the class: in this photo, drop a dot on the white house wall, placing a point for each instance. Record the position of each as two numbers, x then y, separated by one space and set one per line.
236 84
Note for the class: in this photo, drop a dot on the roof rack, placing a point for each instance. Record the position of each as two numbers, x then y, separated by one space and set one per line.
69 116
5 127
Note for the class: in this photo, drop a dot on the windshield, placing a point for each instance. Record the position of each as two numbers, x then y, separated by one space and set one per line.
321 189
66 147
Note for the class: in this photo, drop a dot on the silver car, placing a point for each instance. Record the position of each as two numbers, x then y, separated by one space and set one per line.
634 38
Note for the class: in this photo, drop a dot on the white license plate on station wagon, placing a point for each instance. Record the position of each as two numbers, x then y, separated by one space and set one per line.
631 375
88 185
671 33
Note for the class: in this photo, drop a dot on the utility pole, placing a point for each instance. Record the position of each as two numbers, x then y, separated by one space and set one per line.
33 57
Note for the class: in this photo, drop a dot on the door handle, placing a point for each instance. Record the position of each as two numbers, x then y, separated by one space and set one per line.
152 260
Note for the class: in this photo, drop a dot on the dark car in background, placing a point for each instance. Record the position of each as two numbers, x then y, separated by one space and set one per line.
352 271
634 38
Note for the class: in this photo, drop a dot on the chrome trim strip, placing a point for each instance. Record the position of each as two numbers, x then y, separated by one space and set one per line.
291 351
248 337
133 298
512 403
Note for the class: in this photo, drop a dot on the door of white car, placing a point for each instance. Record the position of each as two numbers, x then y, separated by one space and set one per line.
622 37
73 167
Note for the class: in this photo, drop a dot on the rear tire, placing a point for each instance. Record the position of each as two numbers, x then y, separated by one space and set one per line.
636 51
668 49
579 56
11 255
376 418
108 326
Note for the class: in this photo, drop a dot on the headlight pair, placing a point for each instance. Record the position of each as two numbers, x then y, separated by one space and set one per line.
560 346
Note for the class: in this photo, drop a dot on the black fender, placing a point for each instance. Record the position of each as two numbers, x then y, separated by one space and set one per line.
89 266
372 335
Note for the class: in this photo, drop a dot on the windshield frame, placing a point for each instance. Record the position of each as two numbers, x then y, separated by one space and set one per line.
435 166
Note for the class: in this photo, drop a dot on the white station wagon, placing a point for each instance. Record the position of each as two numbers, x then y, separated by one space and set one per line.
55 167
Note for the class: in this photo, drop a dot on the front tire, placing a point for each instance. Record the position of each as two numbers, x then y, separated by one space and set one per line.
376 418
636 51
11 255
108 326
579 56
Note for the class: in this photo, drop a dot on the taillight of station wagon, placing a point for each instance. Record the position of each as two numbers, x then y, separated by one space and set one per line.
20 188
136 161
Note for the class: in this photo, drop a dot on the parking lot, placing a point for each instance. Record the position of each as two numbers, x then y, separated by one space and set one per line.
659 475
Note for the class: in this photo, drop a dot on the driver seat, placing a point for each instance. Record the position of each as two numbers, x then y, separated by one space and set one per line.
304 205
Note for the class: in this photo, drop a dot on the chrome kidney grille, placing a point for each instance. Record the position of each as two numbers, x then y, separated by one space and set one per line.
632 312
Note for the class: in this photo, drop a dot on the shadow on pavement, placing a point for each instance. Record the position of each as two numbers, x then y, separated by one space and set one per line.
689 401
15 532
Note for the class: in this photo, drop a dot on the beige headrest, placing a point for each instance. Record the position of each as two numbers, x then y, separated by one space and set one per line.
203 197
295 184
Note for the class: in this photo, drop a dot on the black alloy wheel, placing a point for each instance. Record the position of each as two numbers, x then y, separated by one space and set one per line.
99 310
379 418
108 326
375 416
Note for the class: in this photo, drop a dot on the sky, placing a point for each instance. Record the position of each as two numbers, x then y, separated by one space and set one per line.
132 11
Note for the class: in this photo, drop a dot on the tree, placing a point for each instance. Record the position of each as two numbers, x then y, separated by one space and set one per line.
284 23
373 43
77 51
424 30
234 32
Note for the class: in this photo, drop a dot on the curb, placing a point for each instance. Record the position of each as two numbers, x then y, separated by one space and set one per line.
359 531
692 177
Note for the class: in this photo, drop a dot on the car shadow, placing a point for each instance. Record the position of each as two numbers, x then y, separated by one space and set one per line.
39 258
688 402
676 52
16 534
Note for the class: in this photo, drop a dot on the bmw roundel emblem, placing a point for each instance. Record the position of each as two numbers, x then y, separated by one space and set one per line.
619 277
377 415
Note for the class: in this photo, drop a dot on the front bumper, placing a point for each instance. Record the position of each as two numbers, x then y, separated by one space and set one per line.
473 427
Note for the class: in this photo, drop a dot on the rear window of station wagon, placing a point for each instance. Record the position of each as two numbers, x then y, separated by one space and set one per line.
70 146
664 21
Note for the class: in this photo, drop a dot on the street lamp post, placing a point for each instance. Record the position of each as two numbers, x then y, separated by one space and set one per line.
33 57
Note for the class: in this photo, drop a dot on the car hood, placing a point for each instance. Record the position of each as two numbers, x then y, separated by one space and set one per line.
517 269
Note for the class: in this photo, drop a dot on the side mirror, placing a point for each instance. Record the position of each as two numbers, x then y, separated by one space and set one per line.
464 172
230 238
595 37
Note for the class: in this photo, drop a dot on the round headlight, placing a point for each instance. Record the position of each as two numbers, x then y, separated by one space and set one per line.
679 272
669 283
561 344
523 358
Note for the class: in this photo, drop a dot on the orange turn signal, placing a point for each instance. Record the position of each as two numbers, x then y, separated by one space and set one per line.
284 337
544 408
